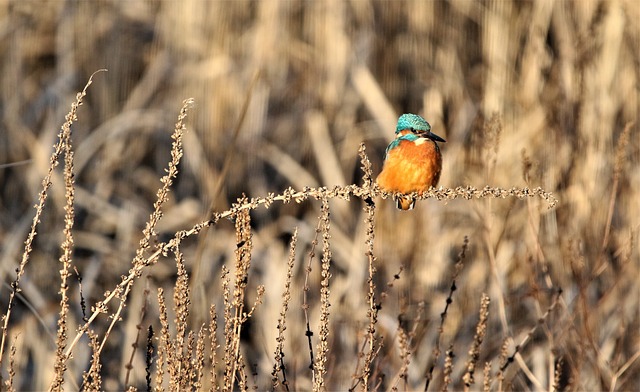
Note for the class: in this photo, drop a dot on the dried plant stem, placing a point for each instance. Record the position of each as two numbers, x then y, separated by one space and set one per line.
404 342
486 381
557 374
213 329
242 264
504 364
323 334
617 170
91 379
181 303
136 343
149 357
305 294
448 368
8 384
234 308
66 256
139 262
357 377
222 175
443 316
405 357
197 368
474 351
502 309
534 228
621 371
63 139
166 352
372 312
228 328
279 365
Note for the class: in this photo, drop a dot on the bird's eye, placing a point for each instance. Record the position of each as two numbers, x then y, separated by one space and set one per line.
412 130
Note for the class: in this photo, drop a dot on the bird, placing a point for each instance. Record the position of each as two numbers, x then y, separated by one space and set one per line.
412 161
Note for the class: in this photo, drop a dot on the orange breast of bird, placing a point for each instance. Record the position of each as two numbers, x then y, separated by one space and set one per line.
412 166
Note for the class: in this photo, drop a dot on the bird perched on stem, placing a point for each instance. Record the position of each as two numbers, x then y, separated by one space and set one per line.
412 161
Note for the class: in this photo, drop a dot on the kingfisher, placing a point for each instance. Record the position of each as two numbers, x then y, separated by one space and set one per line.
412 161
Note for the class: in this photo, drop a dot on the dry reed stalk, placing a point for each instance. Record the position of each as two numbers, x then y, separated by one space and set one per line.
244 245
258 301
534 229
623 369
185 368
323 330
279 364
474 350
295 173
122 291
443 316
136 343
83 302
235 313
405 340
149 357
67 247
358 378
228 330
198 362
64 138
405 357
305 293
140 262
495 27
217 187
471 192
8 383
538 258
373 97
91 379
242 374
181 300
491 133
325 154
372 311
486 380
181 303
213 329
448 368
619 161
505 360
228 159
166 353
557 374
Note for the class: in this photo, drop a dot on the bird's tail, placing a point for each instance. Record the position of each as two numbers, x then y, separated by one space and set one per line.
405 203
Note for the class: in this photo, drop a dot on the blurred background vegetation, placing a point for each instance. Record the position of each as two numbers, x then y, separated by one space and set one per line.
526 93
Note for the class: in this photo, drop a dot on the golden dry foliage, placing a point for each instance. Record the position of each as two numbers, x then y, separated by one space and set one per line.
293 105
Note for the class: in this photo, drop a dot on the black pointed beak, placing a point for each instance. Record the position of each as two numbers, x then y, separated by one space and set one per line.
433 136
